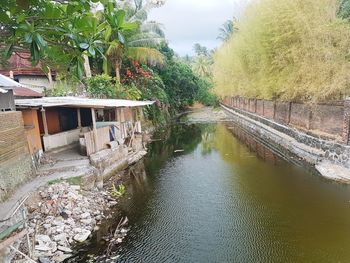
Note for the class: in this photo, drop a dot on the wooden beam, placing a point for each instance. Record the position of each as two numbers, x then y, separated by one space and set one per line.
94 129
5 243
122 115
116 114
79 118
43 114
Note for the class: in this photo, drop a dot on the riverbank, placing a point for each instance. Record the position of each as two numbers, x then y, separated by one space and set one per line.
329 158
204 115
66 201
226 197
62 215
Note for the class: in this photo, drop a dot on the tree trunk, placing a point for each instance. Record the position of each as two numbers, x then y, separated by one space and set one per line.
49 76
117 71
87 66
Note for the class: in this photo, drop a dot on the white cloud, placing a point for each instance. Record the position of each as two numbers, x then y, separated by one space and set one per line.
188 22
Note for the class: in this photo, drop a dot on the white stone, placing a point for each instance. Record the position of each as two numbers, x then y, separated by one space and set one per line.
87 221
60 237
64 249
42 247
85 215
47 226
43 238
82 236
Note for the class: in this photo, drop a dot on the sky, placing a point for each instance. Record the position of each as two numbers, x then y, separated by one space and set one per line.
187 22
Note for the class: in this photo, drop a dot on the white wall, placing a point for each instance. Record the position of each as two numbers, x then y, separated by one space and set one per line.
37 83
61 139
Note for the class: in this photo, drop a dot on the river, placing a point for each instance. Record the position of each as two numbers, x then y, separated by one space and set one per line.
226 198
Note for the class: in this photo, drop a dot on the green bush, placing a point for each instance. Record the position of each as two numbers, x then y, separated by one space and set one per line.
62 88
102 86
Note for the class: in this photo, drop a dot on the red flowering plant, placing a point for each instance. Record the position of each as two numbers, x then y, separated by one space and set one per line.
147 82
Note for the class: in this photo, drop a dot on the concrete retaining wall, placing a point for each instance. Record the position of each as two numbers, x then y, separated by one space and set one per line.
61 139
310 118
305 146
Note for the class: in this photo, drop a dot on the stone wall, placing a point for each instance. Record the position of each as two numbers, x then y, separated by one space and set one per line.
15 160
285 139
327 120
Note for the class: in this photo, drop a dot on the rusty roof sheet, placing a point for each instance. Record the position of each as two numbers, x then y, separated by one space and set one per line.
25 92
18 89
77 102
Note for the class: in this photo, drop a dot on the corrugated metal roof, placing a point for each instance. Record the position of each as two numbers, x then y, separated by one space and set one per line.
8 82
18 89
77 102
3 91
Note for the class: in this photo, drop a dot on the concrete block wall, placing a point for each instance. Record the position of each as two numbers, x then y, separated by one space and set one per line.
15 160
331 119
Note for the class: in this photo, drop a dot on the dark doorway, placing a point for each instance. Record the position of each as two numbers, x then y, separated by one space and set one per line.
68 118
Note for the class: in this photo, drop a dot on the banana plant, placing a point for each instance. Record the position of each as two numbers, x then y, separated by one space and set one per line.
115 29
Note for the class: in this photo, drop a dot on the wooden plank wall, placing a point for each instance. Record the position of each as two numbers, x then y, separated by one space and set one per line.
103 139
124 130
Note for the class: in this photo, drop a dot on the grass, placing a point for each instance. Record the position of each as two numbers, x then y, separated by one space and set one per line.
72 181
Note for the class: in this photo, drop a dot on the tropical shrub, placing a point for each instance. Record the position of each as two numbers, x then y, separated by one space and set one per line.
149 84
101 86
206 94
62 88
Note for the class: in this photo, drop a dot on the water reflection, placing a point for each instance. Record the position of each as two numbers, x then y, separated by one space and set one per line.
227 198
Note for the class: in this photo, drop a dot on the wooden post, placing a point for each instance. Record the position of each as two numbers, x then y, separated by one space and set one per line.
94 129
116 114
122 115
79 118
289 112
43 114
346 122
309 119
263 109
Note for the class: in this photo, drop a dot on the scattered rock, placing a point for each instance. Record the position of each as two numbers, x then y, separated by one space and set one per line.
85 215
61 258
87 221
44 260
83 236
64 249
64 215
113 203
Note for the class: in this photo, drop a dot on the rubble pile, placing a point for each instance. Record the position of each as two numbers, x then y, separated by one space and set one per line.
64 216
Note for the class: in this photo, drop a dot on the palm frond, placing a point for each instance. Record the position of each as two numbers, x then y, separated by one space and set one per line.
145 40
145 55
153 27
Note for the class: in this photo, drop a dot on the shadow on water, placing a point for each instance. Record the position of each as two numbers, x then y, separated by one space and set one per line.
227 198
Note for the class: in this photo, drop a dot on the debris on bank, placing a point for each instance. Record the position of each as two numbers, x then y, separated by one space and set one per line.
63 216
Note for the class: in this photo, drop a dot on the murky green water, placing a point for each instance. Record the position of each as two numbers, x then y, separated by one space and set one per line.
227 198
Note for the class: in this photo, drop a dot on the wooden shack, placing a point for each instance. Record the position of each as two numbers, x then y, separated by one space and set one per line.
94 123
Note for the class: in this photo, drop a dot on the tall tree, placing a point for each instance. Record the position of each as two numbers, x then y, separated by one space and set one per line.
202 66
140 43
344 9
200 50
61 32
228 29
